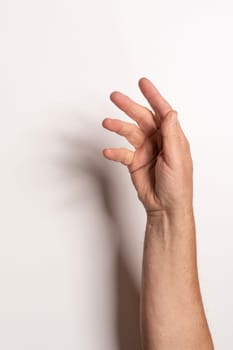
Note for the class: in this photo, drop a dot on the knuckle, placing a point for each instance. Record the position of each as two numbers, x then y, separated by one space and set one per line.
121 129
127 158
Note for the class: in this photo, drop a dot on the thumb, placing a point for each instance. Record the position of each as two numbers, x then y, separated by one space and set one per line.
171 140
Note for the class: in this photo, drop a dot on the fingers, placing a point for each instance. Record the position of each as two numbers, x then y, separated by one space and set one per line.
122 155
153 96
141 114
133 134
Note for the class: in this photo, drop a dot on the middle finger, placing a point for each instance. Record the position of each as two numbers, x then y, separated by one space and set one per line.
141 114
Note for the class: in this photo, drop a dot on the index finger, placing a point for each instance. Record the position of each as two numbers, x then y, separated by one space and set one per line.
153 96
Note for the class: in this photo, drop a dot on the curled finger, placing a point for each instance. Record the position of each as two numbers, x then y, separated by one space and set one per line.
122 155
132 132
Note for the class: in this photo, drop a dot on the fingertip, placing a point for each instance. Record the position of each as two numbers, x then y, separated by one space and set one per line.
171 114
104 122
173 117
113 95
141 80
175 112
108 123
106 152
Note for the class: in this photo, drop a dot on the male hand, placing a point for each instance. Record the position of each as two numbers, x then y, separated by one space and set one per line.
161 166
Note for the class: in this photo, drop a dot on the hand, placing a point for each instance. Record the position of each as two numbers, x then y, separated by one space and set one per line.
161 166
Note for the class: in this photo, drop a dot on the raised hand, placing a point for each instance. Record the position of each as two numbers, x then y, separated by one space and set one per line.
161 165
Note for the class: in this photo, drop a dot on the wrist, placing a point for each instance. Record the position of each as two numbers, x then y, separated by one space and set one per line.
174 222
175 214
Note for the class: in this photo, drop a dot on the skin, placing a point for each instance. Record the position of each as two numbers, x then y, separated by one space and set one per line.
172 314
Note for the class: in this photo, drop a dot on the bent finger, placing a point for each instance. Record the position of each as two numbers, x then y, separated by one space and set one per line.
141 114
122 155
158 103
133 134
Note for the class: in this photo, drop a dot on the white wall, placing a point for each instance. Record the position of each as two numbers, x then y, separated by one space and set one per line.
71 227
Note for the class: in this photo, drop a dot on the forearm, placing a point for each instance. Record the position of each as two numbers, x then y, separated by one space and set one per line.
172 313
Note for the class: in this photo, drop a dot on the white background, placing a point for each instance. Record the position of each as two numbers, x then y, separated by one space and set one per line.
71 226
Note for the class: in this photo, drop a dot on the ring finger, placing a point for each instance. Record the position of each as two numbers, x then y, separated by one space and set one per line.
133 134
